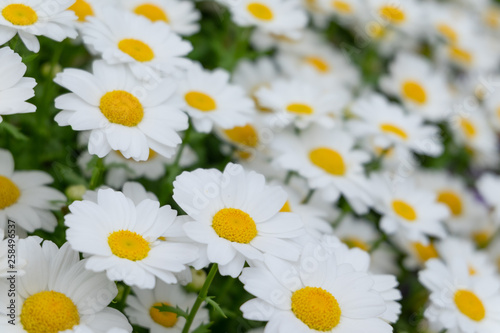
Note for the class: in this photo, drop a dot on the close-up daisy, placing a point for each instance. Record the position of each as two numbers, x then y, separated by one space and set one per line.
406 16
121 112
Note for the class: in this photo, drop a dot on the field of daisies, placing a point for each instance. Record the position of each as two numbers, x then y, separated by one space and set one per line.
231 166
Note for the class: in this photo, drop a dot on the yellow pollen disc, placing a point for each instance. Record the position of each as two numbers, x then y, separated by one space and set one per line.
469 304
260 11
448 32
129 245
392 129
354 242
286 207
49 312
425 252
9 192
121 107
234 225
472 271
342 6
392 14
468 128
460 55
329 160
243 154
244 135
200 101
452 200
316 308
19 14
137 49
318 63
482 238
299 108
492 18
404 210
82 9
152 12
165 318
414 91
376 30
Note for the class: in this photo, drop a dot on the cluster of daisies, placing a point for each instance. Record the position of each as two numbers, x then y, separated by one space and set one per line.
361 195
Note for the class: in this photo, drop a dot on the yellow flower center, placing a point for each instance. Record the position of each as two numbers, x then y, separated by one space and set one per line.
342 6
355 242
165 318
244 135
299 108
200 101
392 129
286 207
129 245
152 12
82 9
137 49
448 32
49 312
425 252
316 308
492 17
260 11
19 14
121 107
376 30
482 238
414 91
234 225
392 14
319 64
469 304
404 210
452 200
472 270
468 128
329 160
460 55
9 192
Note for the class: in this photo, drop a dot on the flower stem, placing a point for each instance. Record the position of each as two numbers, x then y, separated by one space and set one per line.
96 174
201 297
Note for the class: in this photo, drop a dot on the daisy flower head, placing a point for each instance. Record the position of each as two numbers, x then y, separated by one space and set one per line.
210 99
121 112
406 16
85 9
345 10
329 161
390 127
31 18
57 294
473 130
26 198
181 16
460 302
141 308
488 186
278 17
237 216
124 239
418 85
407 208
317 294
14 88
150 49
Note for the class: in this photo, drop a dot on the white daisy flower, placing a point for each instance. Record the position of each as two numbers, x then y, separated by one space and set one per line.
57 294
14 88
237 216
301 102
406 16
417 253
488 186
317 294
391 127
31 18
418 85
121 112
450 22
149 49
180 15
460 302
344 10
25 197
407 208
211 100
141 308
122 238
472 129
328 160
280 17
84 9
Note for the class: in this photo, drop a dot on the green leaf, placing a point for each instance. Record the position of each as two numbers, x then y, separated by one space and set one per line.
215 305
14 131
177 310
203 328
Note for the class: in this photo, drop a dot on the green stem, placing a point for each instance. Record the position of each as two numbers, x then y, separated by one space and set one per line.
123 300
308 196
97 174
289 176
201 297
